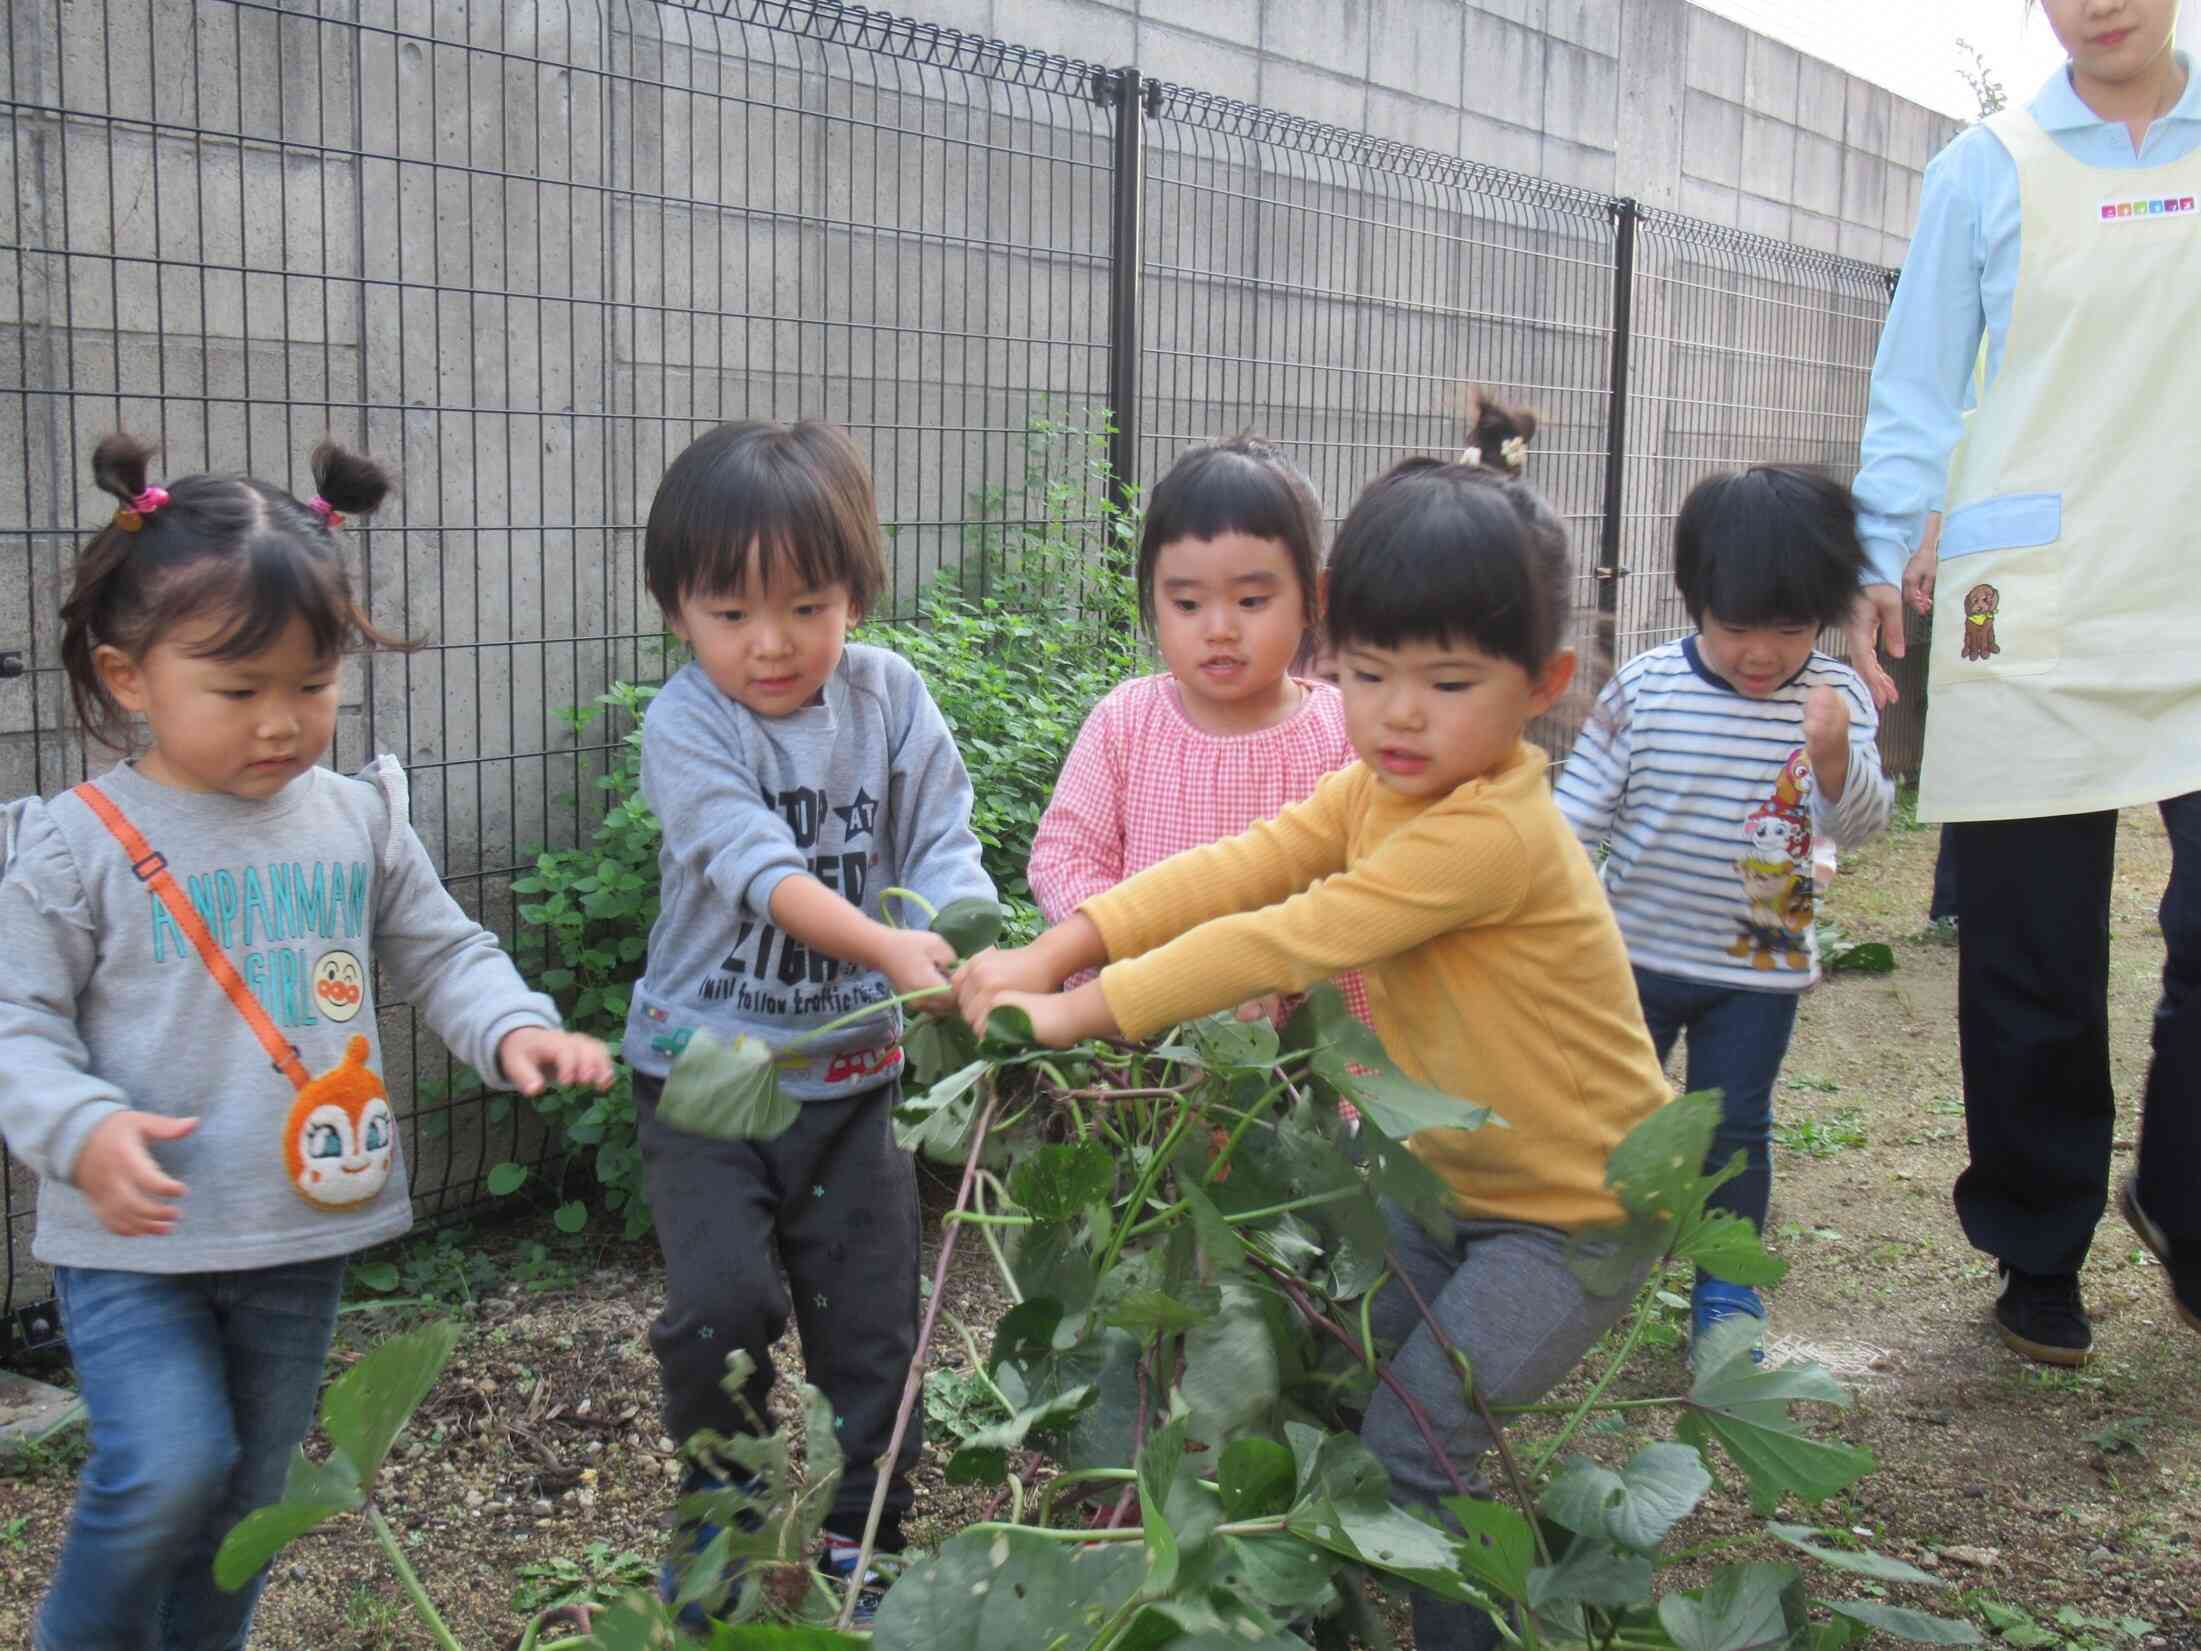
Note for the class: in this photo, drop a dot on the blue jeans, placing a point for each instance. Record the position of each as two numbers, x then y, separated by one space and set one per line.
198 1387
1737 1040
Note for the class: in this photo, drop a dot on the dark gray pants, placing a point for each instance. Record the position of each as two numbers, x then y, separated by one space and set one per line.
837 1200
1506 1298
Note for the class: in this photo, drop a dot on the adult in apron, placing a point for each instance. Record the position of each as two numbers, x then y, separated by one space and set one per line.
2065 678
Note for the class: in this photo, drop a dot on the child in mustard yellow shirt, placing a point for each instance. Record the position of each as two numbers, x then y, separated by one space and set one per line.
1439 865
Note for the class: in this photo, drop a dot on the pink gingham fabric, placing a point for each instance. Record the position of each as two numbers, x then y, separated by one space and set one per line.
1143 782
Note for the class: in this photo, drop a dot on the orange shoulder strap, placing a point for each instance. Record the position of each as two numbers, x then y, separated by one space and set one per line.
152 870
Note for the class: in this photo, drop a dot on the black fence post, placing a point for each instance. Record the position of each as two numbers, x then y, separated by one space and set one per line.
1124 89
1609 571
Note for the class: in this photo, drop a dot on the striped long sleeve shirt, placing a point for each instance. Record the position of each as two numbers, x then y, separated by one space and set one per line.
1707 809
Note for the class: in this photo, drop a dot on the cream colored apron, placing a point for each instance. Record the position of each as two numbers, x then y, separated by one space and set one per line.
2066 669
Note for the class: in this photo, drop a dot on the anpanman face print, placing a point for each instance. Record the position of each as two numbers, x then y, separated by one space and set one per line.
341 1137
339 986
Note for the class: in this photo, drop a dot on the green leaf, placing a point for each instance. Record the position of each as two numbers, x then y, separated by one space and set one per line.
936 1045
1009 1031
1864 957
1152 1312
1591 1572
781 1636
507 1178
1745 1608
1395 1103
1498 1549
365 1407
379 1276
571 1217
726 1091
1657 1170
1257 1478
1385 1538
1636 1507
1804 1537
1278 1571
1218 1242
1906 1624
1006 1591
1395 1173
939 1121
1777 1459
1058 1182
314 1491
1230 1378
1728 1247
1228 1044
983 1458
970 925
1160 1462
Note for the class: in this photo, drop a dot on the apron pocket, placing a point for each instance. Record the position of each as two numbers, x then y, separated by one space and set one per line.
1998 592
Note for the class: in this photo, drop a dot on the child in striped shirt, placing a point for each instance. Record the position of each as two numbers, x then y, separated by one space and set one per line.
1708 771
1229 581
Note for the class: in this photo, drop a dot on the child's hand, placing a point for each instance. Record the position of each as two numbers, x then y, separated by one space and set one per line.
121 1180
1919 572
534 1057
1260 1008
998 970
913 959
1826 741
1059 1019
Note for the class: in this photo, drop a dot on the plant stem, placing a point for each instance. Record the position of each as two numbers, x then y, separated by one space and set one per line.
980 1218
1080 1476
1268 1099
1129 1533
1243 1217
855 1015
1139 1193
423 1606
1321 1321
1636 1327
986 1178
1603 1404
915 1383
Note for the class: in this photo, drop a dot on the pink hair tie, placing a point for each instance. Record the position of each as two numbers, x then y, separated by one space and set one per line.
325 510
132 516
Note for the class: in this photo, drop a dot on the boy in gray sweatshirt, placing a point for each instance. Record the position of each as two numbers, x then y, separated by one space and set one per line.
797 777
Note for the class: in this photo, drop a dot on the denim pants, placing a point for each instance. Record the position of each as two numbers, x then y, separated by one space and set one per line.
198 1387
1737 1041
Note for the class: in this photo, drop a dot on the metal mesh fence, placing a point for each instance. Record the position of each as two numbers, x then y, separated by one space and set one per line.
528 252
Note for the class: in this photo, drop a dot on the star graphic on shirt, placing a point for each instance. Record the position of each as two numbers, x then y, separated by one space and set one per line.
859 818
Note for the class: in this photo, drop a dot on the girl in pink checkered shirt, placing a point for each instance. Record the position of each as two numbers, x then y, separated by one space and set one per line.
1229 584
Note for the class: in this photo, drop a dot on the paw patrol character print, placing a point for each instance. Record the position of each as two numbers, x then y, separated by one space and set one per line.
1776 882
341 1137
1980 605
339 985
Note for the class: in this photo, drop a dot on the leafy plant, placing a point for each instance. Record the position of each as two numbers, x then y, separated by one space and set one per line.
595 1576
1839 954
1822 1137
1191 1238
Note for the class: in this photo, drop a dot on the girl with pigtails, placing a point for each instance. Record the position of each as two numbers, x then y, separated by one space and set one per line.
188 1049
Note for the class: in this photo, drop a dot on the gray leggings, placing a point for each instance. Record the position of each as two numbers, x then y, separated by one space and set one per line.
1506 1298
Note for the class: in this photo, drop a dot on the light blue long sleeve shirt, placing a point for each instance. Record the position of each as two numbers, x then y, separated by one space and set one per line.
1957 286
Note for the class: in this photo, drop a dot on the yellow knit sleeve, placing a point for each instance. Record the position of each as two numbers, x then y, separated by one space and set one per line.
1454 867
1262 865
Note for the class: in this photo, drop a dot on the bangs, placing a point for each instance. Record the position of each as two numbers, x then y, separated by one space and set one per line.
1237 486
748 505
1768 546
1428 557
259 594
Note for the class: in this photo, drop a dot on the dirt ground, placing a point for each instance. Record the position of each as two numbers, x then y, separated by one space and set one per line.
2072 1497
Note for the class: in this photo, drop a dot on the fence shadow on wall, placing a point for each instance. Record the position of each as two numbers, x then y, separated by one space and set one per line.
527 253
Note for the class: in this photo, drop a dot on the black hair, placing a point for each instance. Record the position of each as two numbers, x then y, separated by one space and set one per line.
230 547
1771 545
1455 552
785 497
1240 485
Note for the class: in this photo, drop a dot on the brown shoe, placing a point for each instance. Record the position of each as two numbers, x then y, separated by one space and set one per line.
2181 1261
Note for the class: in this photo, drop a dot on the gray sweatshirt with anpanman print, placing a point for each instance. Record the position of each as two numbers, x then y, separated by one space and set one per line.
106 1006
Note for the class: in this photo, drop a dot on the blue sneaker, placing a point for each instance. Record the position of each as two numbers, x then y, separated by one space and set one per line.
692 1540
1714 1302
837 1560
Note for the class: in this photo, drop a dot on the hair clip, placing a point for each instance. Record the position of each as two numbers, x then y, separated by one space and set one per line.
1513 453
325 510
132 516
1471 456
